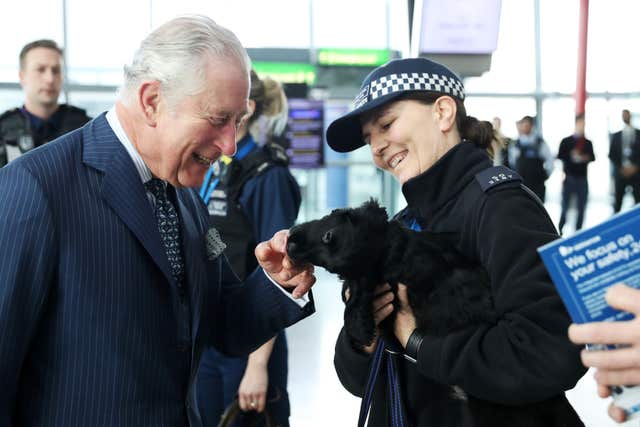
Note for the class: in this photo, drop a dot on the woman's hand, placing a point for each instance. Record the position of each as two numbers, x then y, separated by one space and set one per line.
382 307
252 393
405 322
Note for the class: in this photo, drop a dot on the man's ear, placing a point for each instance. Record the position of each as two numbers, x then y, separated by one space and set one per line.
445 109
150 101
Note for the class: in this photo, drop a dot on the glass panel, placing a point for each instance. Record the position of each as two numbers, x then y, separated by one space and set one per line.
359 23
21 24
96 53
398 26
10 98
365 181
94 102
274 23
613 65
508 109
513 62
559 45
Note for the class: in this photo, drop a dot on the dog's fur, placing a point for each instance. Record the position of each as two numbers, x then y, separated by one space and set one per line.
445 291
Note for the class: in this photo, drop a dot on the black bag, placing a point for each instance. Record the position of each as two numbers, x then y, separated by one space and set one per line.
233 414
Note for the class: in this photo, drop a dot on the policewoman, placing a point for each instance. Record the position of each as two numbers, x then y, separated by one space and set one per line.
410 113
249 196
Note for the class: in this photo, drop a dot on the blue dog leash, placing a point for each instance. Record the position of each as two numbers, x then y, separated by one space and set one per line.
393 389
371 382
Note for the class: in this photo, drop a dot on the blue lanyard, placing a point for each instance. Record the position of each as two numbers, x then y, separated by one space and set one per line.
207 188
397 411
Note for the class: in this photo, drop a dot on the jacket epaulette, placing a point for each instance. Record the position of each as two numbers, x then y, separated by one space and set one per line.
253 165
10 113
503 177
75 110
497 176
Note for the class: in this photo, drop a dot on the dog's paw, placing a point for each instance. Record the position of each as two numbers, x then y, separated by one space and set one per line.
359 326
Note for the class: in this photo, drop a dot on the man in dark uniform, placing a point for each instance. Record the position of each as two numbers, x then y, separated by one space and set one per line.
624 153
576 152
530 156
41 118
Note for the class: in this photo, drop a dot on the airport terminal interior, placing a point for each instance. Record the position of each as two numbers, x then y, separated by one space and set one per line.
516 58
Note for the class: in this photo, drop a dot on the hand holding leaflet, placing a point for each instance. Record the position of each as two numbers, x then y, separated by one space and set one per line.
585 267
621 365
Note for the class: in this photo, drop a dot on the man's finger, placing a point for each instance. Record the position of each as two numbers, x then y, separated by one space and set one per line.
279 241
619 376
623 298
304 283
269 259
604 391
623 332
617 414
620 358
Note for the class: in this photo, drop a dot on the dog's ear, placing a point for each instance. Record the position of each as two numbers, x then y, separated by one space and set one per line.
373 208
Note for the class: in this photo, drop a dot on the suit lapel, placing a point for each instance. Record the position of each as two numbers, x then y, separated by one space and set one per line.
122 188
193 255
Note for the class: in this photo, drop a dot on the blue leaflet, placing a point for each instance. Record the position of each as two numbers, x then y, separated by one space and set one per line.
584 265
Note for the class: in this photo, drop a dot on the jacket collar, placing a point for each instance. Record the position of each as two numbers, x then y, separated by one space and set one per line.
122 188
430 191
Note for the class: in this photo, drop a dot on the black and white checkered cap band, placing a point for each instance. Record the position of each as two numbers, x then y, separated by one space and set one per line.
409 82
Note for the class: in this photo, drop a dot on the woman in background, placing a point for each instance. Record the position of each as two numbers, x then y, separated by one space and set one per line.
250 196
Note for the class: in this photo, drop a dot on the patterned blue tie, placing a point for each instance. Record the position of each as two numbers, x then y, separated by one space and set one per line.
169 226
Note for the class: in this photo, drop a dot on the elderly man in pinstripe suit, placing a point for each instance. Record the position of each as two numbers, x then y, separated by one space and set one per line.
111 279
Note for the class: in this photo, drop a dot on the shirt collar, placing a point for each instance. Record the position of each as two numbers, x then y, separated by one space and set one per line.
36 123
116 126
528 139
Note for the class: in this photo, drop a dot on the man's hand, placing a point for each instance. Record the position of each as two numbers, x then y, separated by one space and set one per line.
272 257
614 367
629 171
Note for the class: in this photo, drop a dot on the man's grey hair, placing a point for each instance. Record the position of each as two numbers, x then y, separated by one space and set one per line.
176 54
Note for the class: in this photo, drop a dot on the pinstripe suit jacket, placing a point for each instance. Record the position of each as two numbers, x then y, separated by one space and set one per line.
93 325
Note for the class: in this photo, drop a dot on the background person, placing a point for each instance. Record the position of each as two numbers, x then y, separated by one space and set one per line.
500 144
111 279
41 118
576 152
252 196
530 156
418 131
624 153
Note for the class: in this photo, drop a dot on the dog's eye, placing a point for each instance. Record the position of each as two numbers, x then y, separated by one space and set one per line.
328 236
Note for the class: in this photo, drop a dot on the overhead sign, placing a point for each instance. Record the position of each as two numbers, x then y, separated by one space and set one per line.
456 27
287 72
353 57
306 121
